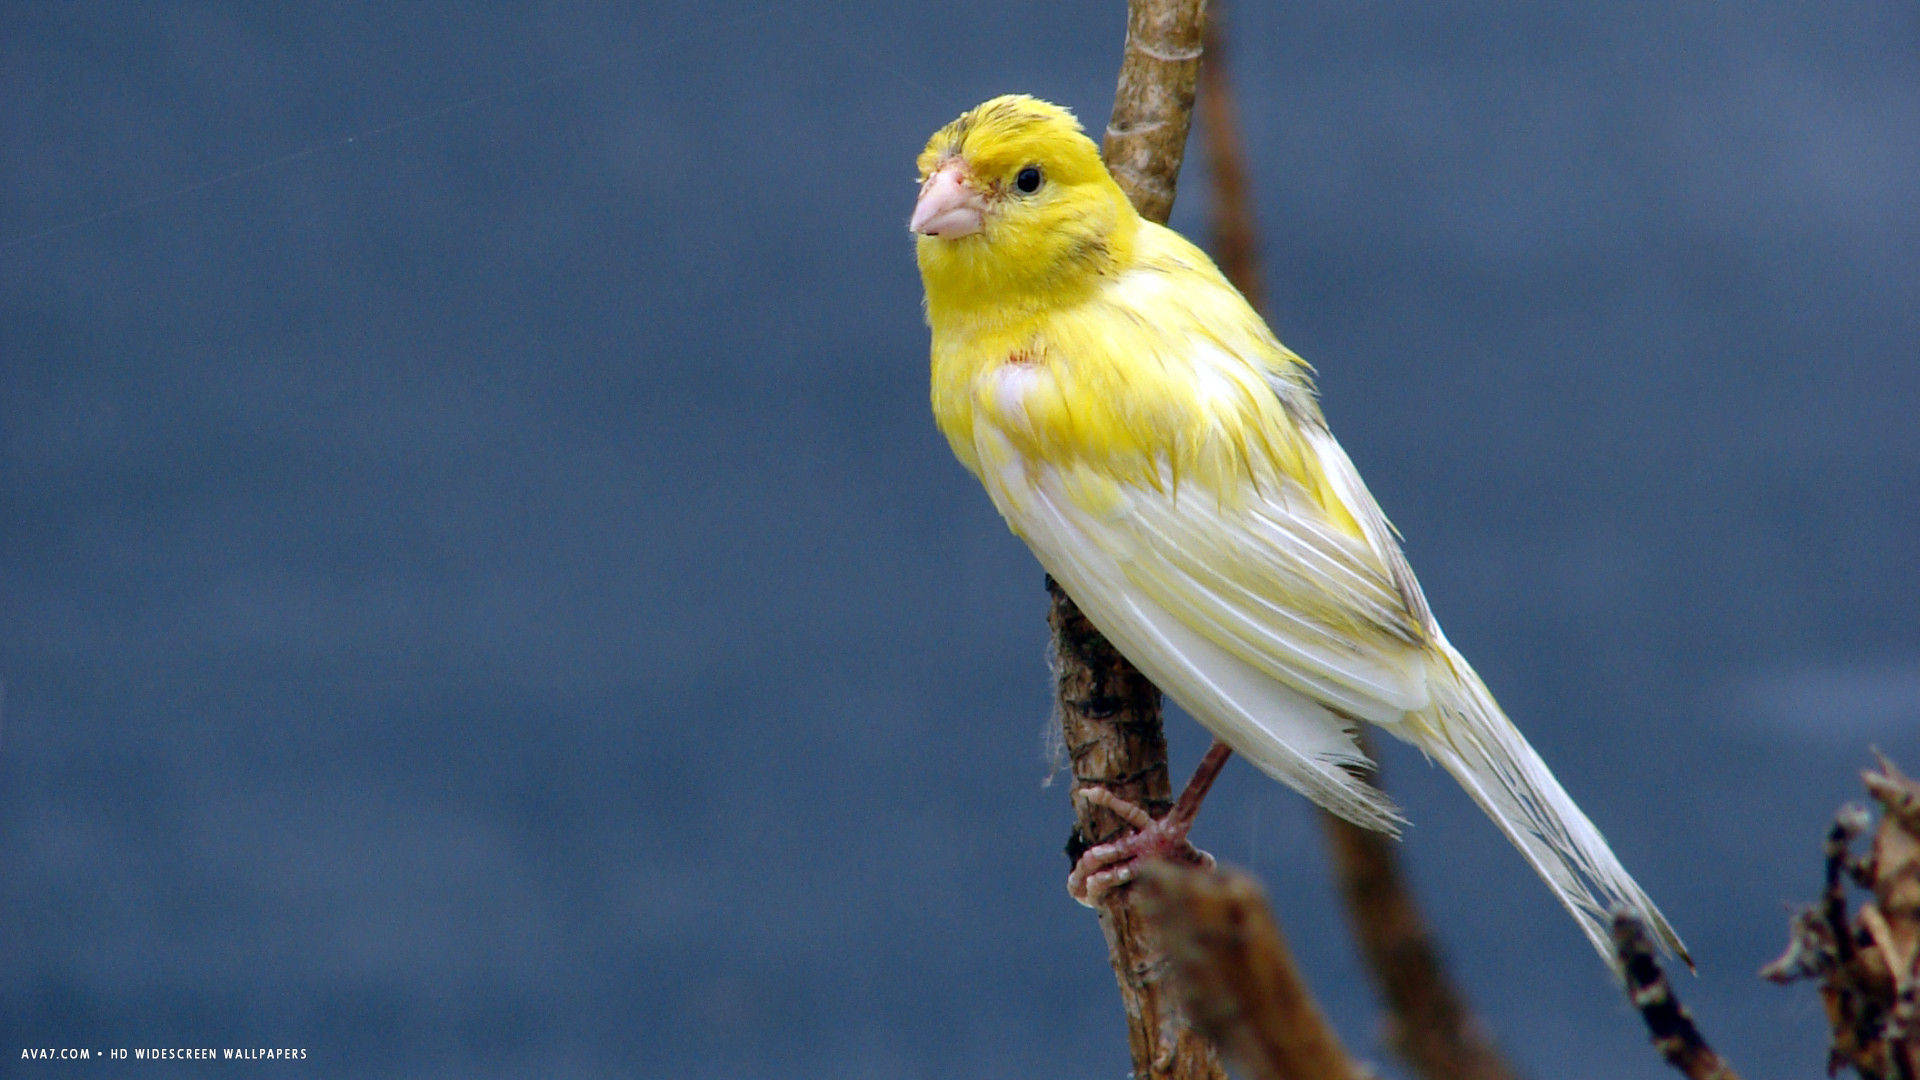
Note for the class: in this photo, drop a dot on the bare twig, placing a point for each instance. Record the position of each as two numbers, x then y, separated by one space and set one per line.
1110 716
1869 964
1109 712
1672 1027
1147 135
1429 1022
1809 953
1236 234
1236 976
1897 795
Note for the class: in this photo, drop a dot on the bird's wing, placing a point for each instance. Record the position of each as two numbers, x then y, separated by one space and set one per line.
1272 624
1353 497
1268 575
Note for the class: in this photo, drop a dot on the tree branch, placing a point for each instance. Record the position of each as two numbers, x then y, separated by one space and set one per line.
1110 717
1869 965
1236 976
1109 712
1153 106
1429 1021
1236 232
1671 1026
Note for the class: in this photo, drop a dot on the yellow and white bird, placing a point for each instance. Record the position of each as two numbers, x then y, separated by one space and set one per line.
1164 455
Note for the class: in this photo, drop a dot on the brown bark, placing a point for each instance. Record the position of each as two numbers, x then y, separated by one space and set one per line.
1236 977
1109 712
1236 233
1868 964
1429 1023
1667 1020
1153 106
1110 717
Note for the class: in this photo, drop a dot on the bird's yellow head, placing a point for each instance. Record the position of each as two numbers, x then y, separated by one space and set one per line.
1016 211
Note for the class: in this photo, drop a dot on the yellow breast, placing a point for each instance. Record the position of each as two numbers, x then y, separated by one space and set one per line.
1161 375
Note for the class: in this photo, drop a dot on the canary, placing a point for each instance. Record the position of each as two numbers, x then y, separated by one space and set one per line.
1165 457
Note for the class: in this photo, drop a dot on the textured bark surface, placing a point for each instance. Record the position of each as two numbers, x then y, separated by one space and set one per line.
1868 963
1236 977
1153 107
1110 717
1667 1020
1109 712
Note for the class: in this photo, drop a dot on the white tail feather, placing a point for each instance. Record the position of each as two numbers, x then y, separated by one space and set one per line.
1472 739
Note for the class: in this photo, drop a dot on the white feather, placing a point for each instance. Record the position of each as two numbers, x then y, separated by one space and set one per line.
1279 631
1284 732
1466 731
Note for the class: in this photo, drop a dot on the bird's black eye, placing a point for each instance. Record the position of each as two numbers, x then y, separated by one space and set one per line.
1028 180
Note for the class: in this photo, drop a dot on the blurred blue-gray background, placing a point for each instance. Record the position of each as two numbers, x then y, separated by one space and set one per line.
483 595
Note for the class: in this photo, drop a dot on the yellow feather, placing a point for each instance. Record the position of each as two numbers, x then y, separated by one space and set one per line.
1164 455
1058 284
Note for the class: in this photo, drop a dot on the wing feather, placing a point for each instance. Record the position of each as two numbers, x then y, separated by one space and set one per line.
1256 621
1272 685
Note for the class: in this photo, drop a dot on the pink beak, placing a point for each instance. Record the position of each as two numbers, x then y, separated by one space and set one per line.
948 207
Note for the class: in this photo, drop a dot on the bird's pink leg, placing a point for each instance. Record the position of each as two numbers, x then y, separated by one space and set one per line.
1105 867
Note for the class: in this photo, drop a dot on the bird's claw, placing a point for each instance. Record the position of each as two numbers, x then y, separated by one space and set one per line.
1106 867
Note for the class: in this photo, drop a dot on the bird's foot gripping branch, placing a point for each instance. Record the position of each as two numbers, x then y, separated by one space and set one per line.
1105 867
